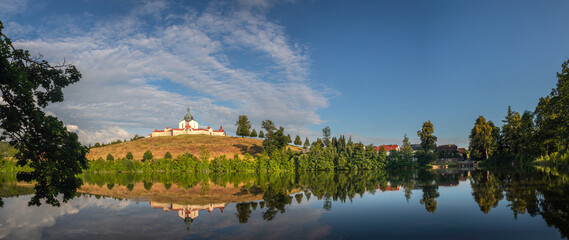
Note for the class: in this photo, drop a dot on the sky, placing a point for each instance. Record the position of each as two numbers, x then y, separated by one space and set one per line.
372 70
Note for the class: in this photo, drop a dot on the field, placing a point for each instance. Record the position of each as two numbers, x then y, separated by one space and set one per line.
215 145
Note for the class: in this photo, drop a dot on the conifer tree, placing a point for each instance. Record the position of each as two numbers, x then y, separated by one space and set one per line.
253 133
297 141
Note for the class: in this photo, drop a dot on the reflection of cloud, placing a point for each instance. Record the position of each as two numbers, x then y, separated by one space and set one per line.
18 221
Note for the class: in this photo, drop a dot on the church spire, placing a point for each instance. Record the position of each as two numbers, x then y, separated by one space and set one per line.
188 116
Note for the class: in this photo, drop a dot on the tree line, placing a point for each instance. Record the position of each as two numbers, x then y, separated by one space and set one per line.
542 134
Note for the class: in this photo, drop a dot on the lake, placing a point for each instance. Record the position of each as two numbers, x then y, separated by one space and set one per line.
443 204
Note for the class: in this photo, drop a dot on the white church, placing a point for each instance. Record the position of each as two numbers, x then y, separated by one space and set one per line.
188 126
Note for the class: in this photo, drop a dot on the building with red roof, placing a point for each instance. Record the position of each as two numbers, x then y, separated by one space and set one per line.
188 126
387 148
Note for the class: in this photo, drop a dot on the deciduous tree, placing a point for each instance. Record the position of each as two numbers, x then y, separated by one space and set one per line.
28 85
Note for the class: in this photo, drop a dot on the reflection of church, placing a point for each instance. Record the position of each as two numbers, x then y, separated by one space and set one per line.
188 126
187 212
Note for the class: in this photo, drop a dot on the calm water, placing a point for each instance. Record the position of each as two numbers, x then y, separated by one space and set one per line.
473 204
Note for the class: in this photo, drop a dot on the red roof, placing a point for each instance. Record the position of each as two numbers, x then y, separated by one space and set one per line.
387 147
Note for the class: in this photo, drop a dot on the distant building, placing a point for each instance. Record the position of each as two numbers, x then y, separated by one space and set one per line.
415 147
387 148
447 147
188 126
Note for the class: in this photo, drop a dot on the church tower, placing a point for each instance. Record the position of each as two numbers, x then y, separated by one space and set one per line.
188 123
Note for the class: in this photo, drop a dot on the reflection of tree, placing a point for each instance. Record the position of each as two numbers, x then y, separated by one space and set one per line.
110 186
168 185
327 204
486 190
147 185
243 212
298 197
130 186
430 190
275 200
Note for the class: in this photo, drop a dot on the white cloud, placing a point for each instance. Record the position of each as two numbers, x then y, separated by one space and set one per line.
13 6
135 80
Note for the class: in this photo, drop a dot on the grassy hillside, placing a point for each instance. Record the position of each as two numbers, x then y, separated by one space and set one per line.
177 145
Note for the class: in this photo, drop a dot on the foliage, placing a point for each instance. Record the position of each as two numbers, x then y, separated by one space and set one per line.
483 139
261 134
297 141
129 156
306 143
54 154
326 133
167 155
427 152
253 133
110 157
275 139
243 126
147 155
406 149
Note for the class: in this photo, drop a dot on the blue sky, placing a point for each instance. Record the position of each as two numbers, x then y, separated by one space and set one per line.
373 70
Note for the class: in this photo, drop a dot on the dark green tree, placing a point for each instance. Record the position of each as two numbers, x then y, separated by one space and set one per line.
552 116
326 133
253 133
275 139
306 143
483 140
406 149
261 134
427 152
167 155
147 155
289 138
129 156
297 141
110 157
428 140
28 85
243 126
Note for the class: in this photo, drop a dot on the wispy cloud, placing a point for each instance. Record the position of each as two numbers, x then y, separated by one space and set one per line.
137 78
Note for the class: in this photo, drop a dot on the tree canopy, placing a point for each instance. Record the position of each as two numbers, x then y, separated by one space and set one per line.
28 85
483 140
243 126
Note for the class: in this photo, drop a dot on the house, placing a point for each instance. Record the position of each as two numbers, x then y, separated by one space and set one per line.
448 148
415 147
387 148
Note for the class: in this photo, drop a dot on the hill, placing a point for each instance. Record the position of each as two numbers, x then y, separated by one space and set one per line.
178 145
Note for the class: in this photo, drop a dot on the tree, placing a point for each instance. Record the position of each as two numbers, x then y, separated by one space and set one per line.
243 126
55 154
275 139
167 155
306 143
147 155
297 141
326 133
129 156
511 132
110 157
289 138
482 138
427 151
261 134
406 149
428 140
552 116
253 133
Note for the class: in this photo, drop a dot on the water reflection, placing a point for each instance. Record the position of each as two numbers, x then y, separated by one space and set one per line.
241 200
